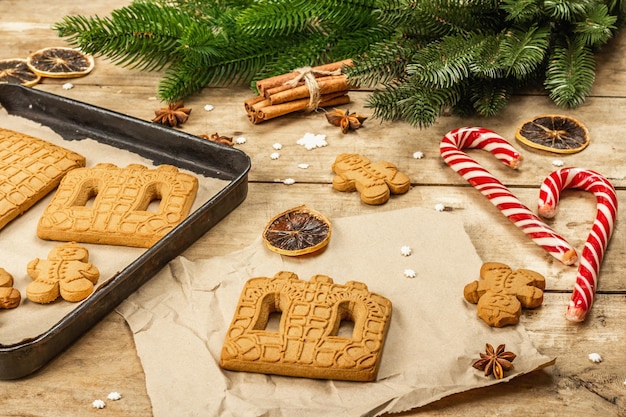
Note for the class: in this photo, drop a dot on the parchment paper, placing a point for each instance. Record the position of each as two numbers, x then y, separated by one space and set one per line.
19 243
180 317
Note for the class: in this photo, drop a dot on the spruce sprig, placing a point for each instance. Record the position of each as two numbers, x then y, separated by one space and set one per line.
421 58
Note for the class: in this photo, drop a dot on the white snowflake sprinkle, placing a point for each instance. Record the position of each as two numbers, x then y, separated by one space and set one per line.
440 207
68 86
558 163
311 141
595 357
625 382
240 140
98 404
208 107
275 155
289 181
277 146
114 396
409 273
418 155
406 251
303 166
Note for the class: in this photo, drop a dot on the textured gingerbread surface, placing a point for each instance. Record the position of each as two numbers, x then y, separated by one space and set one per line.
375 181
111 205
66 272
307 343
30 168
501 293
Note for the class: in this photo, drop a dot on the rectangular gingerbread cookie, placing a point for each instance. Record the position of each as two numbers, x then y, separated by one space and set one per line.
30 168
130 206
307 342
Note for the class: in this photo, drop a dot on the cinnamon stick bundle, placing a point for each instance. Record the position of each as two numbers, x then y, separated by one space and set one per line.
302 90
318 71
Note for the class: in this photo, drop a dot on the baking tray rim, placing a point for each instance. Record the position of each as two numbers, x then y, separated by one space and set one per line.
20 359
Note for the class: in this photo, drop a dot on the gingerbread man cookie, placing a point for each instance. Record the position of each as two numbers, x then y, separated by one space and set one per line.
66 272
376 181
9 296
501 293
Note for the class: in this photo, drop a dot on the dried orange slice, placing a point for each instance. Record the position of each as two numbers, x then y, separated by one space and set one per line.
15 71
297 231
60 62
554 133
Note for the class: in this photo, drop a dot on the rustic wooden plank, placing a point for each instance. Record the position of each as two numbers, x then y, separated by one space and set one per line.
394 142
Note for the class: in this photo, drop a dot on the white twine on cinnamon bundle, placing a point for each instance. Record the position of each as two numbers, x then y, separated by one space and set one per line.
308 75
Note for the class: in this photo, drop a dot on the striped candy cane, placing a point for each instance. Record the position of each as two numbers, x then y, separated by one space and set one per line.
598 239
475 137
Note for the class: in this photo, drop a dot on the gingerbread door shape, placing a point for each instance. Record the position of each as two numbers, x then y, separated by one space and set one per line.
110 205
30 168
307 343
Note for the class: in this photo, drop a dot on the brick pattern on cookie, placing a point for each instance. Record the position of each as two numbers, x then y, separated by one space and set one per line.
66 273
376 181
111 205
307 343
30 168
501 293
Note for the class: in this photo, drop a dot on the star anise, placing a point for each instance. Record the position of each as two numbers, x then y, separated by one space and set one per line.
495 362
215 137
172 115
345 120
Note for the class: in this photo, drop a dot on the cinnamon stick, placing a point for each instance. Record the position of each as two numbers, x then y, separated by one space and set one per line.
273 111
278 89
249 103
277 80
326 85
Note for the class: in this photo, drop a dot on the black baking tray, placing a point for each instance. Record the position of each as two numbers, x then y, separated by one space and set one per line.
74 120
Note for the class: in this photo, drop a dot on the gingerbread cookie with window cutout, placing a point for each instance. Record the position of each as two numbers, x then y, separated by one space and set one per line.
131 206
501 293
307 342
375 181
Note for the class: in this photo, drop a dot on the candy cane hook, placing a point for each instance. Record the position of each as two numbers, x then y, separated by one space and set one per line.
598 239
476 137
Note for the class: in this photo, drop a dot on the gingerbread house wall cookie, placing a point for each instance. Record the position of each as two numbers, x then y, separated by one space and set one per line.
30 168
110 205
307 343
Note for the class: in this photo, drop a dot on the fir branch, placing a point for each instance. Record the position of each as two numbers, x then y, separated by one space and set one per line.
598 26
419 106
571 73
522 11
446 62
142 35
489 97
523 51
567 10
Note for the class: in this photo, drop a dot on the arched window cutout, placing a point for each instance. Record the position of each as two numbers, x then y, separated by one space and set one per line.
154 205
349 320
87 196
346 329
273 322
270 315
152 198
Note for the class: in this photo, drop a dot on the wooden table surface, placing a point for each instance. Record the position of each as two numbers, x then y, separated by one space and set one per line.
105 359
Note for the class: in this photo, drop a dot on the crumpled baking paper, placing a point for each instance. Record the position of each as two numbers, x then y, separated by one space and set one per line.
180 317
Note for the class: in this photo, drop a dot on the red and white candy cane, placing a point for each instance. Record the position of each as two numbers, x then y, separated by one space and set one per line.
598 239
476 137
